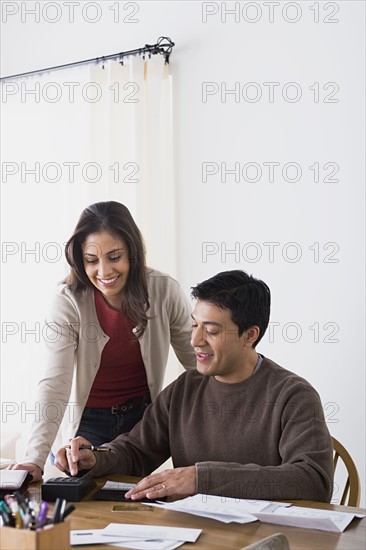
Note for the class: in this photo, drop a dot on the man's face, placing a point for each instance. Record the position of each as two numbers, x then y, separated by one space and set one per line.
219 350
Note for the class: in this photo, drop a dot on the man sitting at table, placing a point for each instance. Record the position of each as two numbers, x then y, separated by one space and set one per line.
239 426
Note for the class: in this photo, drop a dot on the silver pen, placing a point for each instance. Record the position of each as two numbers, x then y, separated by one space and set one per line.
95 449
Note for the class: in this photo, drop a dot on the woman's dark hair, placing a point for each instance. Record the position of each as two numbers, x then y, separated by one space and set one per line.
248 299
115 218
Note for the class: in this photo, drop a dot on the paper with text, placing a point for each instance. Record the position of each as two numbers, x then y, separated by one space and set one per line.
326 520
230 510
223 509
152 532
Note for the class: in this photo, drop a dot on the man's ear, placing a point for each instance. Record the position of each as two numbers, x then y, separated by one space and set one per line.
251 335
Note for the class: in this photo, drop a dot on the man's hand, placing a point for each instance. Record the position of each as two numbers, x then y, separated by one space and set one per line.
32 469
70 459
176 481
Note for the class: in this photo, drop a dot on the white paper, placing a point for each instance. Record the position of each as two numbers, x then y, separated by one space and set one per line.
312 518
222 509
244 518
98 536
146 532
157 544
90 536
245 511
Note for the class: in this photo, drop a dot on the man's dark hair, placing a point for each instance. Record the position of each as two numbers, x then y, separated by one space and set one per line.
248 299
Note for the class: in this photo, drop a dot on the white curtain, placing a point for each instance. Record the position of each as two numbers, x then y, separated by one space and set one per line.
70 138
91 133
131 134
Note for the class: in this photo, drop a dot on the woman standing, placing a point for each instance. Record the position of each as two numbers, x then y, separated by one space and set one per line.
108 336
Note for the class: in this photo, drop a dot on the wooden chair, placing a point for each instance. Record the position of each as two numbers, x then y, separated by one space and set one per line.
352 485
278 541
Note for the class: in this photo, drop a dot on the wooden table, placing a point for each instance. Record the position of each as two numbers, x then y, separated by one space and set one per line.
215 535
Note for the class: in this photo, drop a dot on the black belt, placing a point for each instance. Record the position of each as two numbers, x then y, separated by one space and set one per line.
131 405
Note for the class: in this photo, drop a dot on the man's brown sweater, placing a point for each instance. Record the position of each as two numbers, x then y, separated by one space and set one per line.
263 438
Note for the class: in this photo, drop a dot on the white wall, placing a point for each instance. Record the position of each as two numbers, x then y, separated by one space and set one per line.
322 220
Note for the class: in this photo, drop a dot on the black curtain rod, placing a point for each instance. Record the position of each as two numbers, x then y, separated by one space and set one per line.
163 46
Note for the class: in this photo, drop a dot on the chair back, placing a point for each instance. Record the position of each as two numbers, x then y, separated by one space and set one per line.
278 541
352 484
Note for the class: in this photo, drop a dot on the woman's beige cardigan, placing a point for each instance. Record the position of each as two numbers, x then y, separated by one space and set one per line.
75 341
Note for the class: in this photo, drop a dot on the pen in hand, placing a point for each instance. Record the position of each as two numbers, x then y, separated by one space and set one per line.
93 448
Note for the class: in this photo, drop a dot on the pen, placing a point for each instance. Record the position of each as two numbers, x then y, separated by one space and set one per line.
20 500
16 511
59 510
18 520
27 519
68 511
6 516
62 509
41 519
93 448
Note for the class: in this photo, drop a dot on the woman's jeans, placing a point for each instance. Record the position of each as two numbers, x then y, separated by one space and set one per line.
104 424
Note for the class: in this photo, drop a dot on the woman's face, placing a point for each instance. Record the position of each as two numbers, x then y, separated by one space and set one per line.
106 264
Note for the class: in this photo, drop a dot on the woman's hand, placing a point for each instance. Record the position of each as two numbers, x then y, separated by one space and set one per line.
175 481
70 459
30 467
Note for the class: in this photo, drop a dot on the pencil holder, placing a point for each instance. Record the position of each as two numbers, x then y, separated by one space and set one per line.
51 537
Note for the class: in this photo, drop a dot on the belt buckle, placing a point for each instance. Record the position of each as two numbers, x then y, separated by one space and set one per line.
114 409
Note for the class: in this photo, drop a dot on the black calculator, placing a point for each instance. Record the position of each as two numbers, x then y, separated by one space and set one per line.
73 489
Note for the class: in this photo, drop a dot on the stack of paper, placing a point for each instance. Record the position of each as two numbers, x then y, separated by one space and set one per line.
221 508
244 511
326 520
139 537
